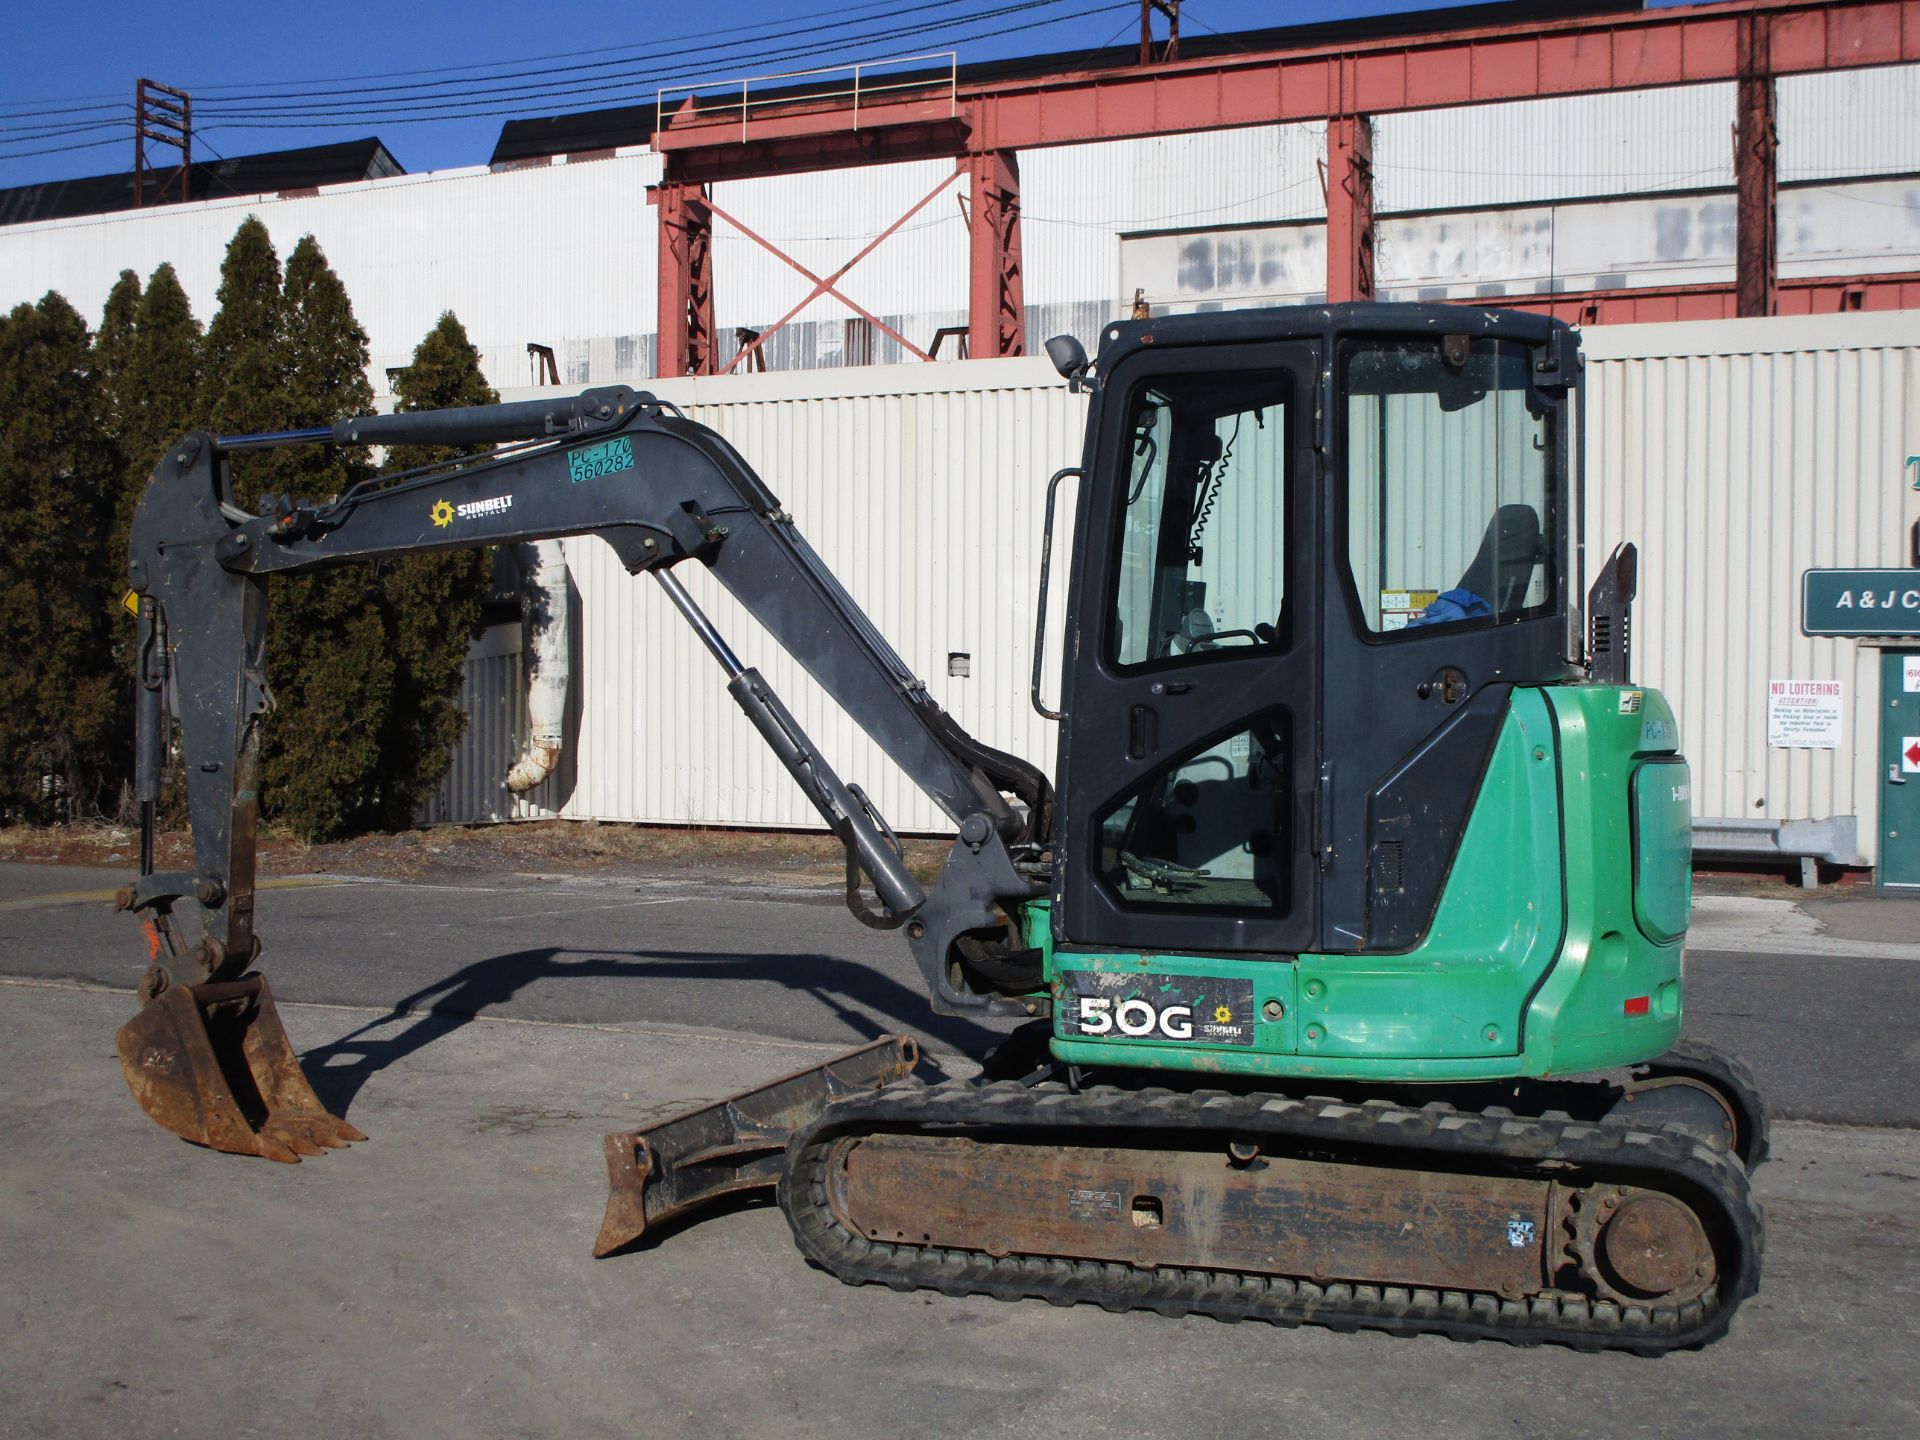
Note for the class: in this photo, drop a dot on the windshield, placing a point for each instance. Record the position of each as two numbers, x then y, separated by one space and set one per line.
1450 473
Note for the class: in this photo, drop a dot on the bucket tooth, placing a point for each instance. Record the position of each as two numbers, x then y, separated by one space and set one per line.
740 1143
212 1063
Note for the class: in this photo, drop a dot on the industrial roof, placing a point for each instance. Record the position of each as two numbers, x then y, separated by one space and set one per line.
275 172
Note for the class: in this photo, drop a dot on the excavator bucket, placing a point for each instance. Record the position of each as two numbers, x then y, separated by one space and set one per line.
212 1064
731 1145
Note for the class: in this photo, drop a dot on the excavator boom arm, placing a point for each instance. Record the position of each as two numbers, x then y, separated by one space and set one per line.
661 490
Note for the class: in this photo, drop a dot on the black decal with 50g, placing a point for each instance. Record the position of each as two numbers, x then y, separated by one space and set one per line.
1186 1009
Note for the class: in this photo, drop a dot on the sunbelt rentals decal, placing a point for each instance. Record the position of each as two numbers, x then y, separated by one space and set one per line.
444 512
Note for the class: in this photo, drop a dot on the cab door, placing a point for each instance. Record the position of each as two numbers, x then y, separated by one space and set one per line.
1189 756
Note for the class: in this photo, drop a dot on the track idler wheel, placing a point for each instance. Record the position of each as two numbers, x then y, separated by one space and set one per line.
1639 1246
212 1063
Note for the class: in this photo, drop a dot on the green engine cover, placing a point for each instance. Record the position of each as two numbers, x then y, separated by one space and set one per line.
1555 948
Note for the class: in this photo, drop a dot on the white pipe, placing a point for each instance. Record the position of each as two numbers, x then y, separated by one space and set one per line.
543 575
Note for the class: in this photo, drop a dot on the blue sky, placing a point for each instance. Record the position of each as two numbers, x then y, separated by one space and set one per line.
277 70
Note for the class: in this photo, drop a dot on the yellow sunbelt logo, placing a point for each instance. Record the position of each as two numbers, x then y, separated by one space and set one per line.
444 514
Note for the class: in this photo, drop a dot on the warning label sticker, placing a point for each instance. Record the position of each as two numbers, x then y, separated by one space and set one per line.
1400 608
1910 754
1805 714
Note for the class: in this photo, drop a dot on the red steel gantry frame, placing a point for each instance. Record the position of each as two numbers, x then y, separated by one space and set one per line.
1749 42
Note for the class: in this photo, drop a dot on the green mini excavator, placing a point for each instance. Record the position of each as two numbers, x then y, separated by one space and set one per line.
1344 942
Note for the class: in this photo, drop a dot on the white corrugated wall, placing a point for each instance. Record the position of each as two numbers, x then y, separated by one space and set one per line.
922 488
562 255
1735 453
1738 454
1076 200
1848 122
825 220
1560 149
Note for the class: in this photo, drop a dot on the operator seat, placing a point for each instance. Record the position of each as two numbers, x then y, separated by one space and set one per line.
1503 568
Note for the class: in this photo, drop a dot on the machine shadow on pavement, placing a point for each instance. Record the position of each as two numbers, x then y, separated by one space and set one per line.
339 1068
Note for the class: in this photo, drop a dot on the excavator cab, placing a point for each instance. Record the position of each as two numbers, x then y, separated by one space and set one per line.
1336 773
1303 556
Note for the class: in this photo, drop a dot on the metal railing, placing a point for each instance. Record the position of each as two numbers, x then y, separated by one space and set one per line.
864 86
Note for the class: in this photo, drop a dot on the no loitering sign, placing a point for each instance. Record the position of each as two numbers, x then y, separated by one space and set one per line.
1805 714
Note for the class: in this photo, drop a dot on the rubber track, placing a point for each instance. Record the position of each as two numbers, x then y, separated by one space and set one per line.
1492 1141
1733 1077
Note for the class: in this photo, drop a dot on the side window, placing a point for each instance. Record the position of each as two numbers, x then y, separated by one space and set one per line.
1204 524
1212 828
1449 486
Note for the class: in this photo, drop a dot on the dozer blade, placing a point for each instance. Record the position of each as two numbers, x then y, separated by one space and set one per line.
212 1064
739 1143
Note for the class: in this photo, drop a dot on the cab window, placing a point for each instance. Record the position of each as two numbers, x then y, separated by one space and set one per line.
1203 538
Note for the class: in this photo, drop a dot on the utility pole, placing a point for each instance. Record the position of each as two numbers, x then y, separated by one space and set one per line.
1170 9
1756 148
164 114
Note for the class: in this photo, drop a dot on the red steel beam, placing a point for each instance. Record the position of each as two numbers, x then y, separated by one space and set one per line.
828 285
685 315
1747 41
1634 50
996 298
1637 50
1814 295
1349 209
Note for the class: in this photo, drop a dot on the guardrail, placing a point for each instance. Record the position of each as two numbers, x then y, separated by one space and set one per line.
863 86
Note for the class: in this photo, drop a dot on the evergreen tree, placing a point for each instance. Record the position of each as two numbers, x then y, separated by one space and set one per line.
329 665
445 372
362 662
114 342
161 382
62 724
432 602
158 384
244 355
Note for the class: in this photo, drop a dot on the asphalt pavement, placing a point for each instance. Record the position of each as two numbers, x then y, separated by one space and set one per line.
1820 1016
485 1033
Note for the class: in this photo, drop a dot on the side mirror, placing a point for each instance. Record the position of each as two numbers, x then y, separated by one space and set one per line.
1069 357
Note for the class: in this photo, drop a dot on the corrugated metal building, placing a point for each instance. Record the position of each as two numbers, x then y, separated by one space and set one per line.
1736 453
1585 193
920 483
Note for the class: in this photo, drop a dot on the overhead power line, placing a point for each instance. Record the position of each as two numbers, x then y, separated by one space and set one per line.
653 54
640 93
239 88
650 53
489 99
508 67
629 82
